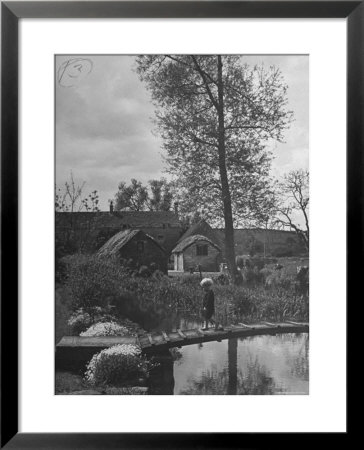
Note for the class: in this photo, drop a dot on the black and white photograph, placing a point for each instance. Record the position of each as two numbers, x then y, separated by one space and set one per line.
181 224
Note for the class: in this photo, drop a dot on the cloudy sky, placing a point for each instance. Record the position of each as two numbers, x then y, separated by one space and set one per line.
104 127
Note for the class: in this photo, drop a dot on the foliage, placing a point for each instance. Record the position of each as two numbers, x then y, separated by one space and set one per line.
156 196
185 90
117 365
93 281
265 294
157 301
105 329
160 197
214 114
133 197
81 319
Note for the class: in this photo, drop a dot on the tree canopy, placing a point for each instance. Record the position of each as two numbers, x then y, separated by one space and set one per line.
155 196
185 91
215 115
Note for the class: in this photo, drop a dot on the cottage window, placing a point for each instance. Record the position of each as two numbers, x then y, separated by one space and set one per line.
140 246
202 250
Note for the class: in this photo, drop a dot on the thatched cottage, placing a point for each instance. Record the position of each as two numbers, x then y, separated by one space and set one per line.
137 246
194 251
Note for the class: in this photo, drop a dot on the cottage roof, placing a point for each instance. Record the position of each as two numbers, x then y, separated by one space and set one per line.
204 229
116 219
181 246
119 240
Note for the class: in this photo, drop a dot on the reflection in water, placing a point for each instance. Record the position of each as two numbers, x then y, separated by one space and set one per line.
256 380
233 366
258 365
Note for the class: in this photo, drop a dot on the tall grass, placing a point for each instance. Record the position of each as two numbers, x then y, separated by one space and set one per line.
150 301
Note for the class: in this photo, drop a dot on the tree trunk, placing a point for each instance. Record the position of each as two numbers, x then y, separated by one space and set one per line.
226 197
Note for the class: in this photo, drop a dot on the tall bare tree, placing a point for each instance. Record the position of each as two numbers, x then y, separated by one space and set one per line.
292 209
214 114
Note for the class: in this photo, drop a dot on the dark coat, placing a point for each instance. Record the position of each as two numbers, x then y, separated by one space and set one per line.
209 304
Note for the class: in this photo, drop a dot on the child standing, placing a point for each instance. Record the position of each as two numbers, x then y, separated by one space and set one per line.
208 304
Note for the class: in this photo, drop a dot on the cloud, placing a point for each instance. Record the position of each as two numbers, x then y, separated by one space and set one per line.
104 128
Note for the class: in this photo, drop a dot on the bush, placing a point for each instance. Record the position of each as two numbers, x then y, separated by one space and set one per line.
222 279
81 319
279 279
93 281
106 329
117 366
144 272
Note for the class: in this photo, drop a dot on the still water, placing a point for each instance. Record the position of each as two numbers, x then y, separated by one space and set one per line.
257 365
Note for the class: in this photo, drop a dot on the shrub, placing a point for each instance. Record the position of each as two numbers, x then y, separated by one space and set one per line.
144 272
81 319
280 279
117 365
222 279
106 329
93 281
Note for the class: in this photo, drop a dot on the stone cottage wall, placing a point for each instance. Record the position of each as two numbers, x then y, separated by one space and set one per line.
208 263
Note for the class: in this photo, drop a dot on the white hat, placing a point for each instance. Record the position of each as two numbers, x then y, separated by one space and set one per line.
206 282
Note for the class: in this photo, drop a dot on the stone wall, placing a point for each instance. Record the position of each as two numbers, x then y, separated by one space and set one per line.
276 242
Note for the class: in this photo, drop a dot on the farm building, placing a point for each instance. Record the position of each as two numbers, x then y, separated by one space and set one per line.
197 250
88 231
138 246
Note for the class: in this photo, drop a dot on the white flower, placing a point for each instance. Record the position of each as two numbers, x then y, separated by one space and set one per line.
105 329
116 350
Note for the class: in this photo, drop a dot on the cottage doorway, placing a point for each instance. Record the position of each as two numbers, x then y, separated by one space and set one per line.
180 262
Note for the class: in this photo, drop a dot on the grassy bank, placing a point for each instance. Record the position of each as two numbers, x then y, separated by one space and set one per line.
149 301
103 295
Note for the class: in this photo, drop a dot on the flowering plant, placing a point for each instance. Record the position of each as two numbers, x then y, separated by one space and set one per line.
105 329
81 319
117 365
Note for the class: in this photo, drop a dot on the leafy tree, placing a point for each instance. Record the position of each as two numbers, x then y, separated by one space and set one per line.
214 114
131 197
160 197
156 196
292 210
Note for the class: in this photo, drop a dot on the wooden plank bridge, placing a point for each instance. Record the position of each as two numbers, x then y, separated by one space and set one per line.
75 348
151 342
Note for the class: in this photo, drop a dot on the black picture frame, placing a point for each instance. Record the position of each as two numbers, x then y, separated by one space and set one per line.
11 12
